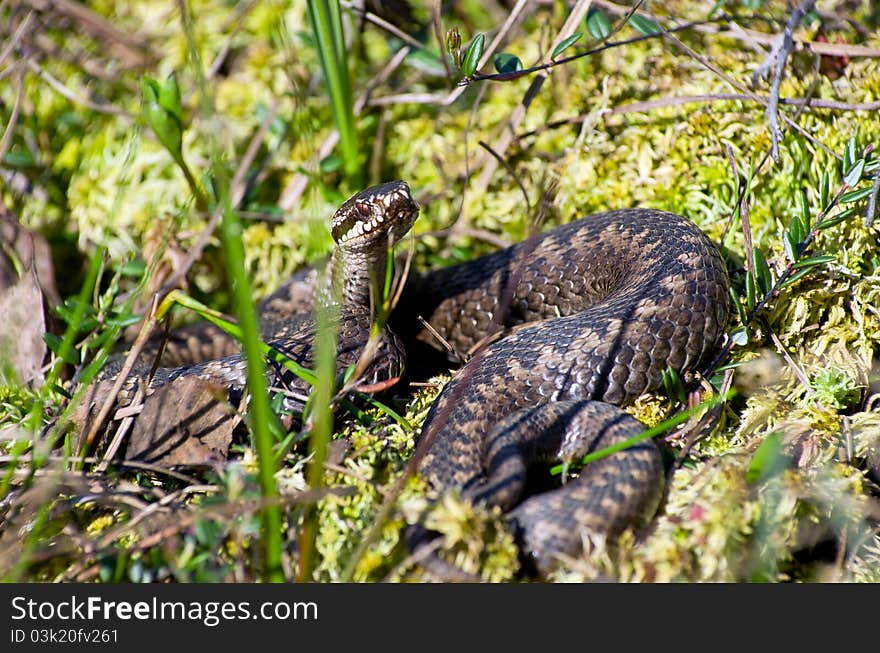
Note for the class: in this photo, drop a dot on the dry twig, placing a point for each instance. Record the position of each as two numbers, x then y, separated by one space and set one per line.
775 63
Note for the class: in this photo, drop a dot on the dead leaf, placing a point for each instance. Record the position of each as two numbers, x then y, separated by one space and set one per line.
337 450
27 278
185 422
22 348
22 249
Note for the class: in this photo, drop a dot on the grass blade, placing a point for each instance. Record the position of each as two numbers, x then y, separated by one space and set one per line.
319 413
647 434
326 20
259 410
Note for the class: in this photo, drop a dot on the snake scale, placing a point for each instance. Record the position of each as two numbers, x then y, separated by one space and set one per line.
581 319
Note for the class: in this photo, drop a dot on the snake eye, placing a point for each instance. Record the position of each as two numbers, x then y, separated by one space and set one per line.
362 207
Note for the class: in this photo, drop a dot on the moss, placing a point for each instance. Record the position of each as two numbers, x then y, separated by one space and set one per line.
100 524
106 179
716 527
835 389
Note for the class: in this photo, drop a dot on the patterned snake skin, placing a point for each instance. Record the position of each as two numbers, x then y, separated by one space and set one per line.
365 228
590 315
600 308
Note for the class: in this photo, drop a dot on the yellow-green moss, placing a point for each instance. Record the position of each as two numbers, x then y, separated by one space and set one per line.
120 189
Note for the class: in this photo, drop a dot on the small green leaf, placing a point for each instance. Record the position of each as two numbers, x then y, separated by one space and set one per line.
507 63
388 411
67 310
277 403
598 24
169 97
331 163
207 532
673 385
768 459
762 273
849 153
134 268
750 291
150 89
123 321
644 25
567 43
16 158
804 206
100 340
796 277
736 302
163 121
855 195
472 56
836 219
88 324
796 230
804 227
347 375
854 174
54 343
790 247
813 260
824 189
64 393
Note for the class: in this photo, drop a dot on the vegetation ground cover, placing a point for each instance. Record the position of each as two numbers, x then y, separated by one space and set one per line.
139 134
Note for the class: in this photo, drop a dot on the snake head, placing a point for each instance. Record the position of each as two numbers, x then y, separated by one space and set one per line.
383 213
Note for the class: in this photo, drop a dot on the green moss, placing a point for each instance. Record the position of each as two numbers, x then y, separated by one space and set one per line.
106 179
834 388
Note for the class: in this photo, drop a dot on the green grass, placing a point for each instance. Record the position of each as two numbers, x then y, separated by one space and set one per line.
787 456
260 416
326 21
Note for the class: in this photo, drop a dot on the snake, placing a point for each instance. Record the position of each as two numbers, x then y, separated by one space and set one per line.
365 229
565 329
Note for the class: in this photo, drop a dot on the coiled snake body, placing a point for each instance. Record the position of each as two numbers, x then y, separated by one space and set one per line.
591 313
600 308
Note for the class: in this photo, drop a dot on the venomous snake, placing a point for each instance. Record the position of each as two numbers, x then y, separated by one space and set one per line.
591 313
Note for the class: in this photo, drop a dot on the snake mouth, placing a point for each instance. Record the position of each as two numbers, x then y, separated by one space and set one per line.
385 212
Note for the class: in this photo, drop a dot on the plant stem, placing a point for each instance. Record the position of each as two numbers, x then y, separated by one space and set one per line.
259 412
320 416
326 20
780 282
